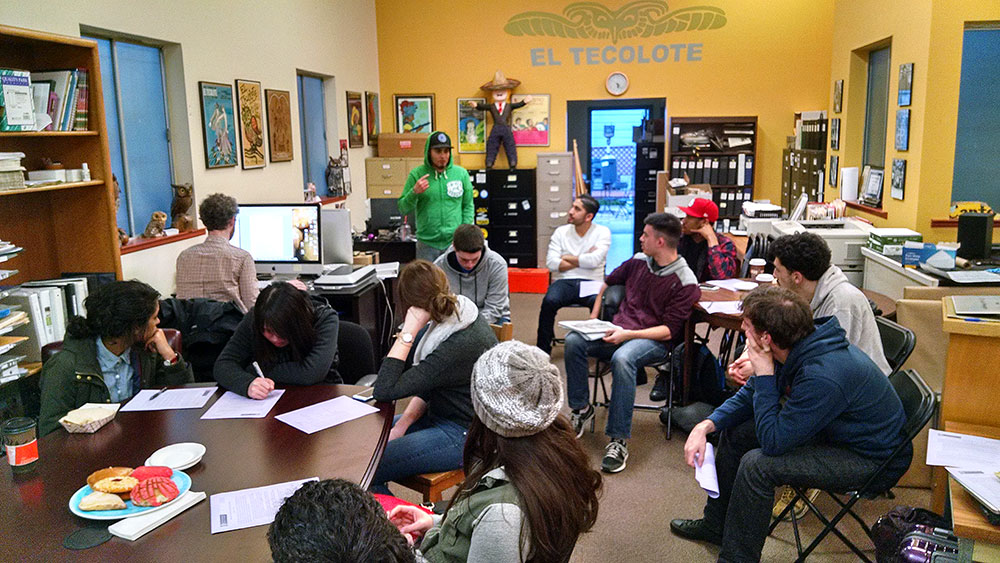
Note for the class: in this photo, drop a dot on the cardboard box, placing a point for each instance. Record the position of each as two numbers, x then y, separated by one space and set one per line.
402 144
365 258
890 241
941 255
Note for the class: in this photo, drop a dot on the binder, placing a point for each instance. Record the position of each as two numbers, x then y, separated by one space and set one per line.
675 168
741 172
675 138
731 176
714 179
35 330
724 170
748 178
699 174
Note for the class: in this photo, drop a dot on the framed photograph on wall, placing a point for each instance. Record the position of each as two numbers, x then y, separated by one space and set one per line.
838 95
905 83
372 117
355 120
218 121
471 126
902 129
530 123
250 104
871 186
834 169
835 133
898 178
414 113
279 125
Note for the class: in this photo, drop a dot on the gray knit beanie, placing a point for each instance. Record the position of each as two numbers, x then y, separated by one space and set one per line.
516 391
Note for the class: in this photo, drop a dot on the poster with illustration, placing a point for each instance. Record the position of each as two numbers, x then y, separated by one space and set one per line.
219 124
373 117
530 123
355 123
250 101
414 113
279 125
471 126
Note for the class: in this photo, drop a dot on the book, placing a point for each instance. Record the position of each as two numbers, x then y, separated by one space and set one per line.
590 329
80 120
62 80
69 109
16 109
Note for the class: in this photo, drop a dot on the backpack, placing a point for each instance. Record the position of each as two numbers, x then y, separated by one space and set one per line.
708 379
890 530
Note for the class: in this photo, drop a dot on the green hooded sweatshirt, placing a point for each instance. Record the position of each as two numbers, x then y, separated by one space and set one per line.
443 206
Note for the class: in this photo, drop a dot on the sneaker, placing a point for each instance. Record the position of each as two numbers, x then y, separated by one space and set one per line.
697 530
615 456
660 387
580 418
787 495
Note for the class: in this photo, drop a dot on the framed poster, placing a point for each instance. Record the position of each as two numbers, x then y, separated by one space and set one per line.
218 121
414 113
372 117
898 178
834 169
250 104
279 125
871 186
355 120
838 95
530 123
835 133
902 129
905 83
471 126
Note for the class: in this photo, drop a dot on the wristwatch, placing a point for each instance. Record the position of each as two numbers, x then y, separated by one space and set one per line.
406 337
172 361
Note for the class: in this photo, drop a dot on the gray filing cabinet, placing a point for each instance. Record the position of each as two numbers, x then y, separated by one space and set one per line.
554 184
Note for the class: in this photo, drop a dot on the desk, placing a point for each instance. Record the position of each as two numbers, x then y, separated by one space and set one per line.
888 276
967 520
35 519
368 308
389 251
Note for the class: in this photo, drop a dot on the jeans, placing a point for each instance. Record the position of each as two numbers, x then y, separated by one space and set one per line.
626 360
431 444
561 293
748 479
427 252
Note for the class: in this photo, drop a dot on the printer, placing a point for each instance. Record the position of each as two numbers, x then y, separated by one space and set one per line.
845 237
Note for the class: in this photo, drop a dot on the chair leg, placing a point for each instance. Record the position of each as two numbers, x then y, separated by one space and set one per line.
670 406
831 526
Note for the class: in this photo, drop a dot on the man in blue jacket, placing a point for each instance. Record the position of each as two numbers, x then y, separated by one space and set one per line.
840 421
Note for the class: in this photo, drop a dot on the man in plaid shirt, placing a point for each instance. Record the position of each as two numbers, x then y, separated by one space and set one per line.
216 269
710 255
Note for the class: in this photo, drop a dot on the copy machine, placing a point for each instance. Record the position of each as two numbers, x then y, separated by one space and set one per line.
845 237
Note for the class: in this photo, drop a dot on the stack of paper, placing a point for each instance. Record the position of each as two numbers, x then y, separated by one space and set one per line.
972 461
591 329
134 528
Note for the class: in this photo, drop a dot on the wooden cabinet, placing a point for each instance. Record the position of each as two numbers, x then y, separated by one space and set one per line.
67 227
385 176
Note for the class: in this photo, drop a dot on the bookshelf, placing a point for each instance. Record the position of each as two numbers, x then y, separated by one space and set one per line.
66 227
719 151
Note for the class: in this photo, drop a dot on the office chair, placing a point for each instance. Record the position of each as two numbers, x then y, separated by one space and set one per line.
897 342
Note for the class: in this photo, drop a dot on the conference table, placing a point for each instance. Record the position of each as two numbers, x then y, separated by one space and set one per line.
241 453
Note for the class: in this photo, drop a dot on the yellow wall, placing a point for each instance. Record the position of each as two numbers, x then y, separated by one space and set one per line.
770 59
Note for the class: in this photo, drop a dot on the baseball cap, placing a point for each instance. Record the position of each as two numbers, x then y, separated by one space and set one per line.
702 207
439 139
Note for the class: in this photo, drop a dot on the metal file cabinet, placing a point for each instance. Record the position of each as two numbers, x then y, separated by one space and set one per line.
554 195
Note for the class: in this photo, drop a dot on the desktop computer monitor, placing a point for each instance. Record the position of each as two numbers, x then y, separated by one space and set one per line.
386 215
283 238
338 245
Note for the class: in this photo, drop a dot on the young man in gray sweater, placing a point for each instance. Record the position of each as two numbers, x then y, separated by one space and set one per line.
475 271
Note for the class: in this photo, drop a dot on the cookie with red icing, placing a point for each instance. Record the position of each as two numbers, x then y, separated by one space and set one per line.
154 492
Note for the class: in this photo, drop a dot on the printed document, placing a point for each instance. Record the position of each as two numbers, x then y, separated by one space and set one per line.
591 329
952 449
250 507
232 405
148 400
589 287
706 475
326 414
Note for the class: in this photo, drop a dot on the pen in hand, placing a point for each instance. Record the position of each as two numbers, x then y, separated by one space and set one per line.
157 394
256 368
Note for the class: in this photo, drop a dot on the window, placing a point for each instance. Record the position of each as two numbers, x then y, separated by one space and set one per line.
135 106
312 127
876 108
977 175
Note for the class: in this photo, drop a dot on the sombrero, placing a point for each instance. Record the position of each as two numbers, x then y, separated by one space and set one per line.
500 82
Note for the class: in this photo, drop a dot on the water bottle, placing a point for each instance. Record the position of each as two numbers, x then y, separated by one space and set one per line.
405 234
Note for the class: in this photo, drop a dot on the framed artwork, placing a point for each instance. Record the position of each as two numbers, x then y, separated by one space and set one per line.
372 117
355 120
902 129
898 178
838 95
250 104
835 133
905 83
871 186
279 125
218 121
530 123
471 126
834 169
414 112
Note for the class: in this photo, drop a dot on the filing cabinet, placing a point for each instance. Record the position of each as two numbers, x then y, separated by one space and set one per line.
554 195
505 208
386 176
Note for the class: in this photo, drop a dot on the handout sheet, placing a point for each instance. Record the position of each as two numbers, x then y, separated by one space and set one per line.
952 449
148 400
706 475
232 405
247 508
326 414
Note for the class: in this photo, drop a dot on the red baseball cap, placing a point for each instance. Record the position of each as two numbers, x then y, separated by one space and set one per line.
703 208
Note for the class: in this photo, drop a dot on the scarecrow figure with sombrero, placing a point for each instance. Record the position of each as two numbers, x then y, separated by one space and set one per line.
501 109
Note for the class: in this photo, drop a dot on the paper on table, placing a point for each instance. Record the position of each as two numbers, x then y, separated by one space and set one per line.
962 450
589 287
326 414
705 475
232 405
590 329
192 398
733 284
250 507
981 484
723 307
134 528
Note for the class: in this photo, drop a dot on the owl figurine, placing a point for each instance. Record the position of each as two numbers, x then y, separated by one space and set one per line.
183 195
156 225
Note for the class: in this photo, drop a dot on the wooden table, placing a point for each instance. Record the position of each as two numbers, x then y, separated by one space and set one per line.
35 518
967 520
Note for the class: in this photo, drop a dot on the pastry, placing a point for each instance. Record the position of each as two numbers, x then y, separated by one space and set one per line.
101 501
154 492
117 485
147 471
107 472
87 415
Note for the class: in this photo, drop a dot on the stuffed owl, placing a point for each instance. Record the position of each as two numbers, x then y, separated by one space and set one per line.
156 225
183 196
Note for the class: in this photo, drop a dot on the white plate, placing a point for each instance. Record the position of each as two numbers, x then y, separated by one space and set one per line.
744 286
177 456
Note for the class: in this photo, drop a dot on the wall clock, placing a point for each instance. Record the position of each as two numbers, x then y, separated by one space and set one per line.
616 83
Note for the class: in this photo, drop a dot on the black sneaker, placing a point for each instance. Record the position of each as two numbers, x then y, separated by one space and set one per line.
580 418
697 530
615 456
660 387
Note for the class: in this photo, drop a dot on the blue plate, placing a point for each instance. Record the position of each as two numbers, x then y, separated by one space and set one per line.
180 478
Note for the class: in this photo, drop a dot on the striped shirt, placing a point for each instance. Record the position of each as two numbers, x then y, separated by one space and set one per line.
217 270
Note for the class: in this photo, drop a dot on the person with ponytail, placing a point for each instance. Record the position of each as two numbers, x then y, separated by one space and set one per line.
529 489
111 354
434 370
289 335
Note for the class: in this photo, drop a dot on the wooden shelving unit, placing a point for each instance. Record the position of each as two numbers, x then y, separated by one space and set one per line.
64 227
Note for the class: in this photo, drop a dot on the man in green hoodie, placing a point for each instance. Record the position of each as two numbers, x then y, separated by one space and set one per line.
441 194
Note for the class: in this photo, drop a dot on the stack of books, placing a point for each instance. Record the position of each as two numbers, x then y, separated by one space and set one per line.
11 171
65 95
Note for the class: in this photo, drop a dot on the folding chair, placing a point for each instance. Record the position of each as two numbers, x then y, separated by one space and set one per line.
897 342
918 406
